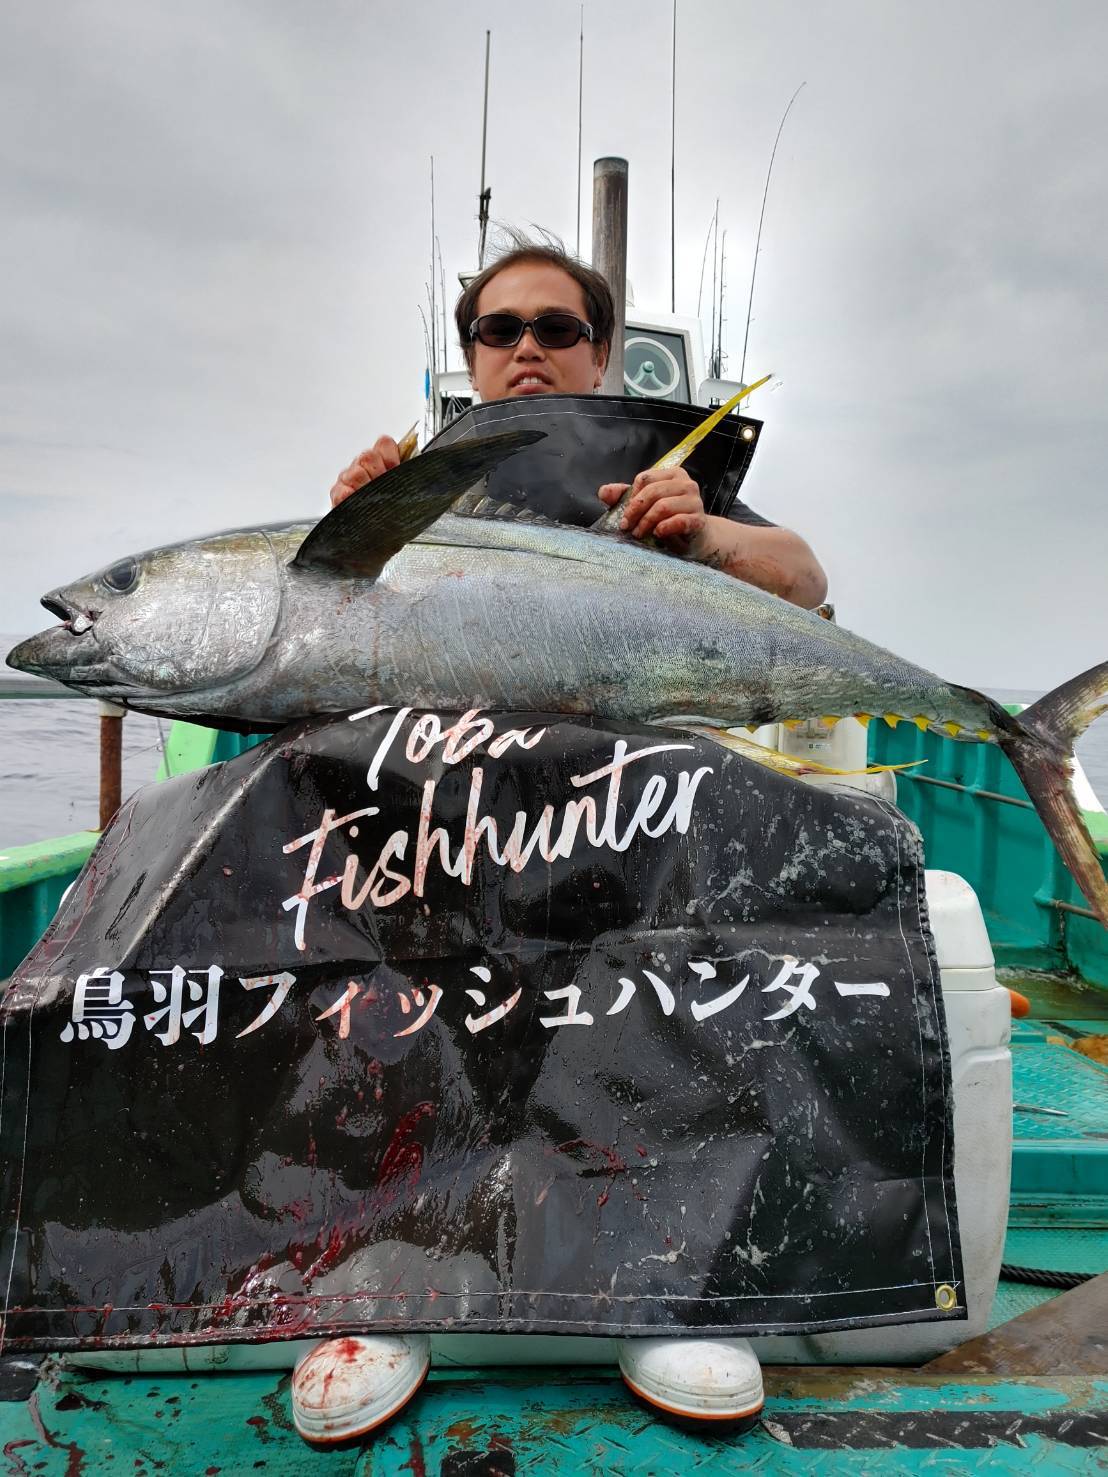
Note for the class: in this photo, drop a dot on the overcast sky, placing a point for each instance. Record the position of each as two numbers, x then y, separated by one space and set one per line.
216 237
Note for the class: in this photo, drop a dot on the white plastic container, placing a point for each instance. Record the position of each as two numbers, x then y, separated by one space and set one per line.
843 746
979 1025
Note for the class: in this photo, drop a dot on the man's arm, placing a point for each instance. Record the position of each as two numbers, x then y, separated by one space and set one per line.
667 503
774 559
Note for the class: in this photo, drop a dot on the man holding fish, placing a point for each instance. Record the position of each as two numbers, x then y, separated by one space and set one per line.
537 322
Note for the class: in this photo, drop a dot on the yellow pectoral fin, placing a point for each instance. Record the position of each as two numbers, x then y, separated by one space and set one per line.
689 443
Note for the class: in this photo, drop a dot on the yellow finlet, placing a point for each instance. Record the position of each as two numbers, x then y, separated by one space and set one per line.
791 723
829 720
984 734
954 729
922 723
892 719
864 719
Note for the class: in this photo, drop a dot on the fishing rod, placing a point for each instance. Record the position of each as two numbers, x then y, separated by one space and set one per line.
761 218
442 293
703 264
485 197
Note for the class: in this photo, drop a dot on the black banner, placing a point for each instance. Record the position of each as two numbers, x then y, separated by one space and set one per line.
588 440
416 1021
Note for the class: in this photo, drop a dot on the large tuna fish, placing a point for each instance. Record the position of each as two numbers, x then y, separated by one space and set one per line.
392 600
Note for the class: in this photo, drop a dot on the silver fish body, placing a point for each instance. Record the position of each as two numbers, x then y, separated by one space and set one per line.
479 613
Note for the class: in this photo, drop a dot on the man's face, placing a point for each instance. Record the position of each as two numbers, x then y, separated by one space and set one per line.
528 289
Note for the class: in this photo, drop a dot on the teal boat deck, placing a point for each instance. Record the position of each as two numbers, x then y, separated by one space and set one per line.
464 1423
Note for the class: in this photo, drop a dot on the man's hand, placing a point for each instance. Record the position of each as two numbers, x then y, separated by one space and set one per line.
665 502
366 467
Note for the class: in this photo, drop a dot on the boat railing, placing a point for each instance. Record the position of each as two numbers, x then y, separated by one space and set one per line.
33 877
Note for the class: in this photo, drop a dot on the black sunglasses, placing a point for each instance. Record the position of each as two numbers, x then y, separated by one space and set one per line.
551 330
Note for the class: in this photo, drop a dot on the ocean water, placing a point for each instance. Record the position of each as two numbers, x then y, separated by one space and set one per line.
49 762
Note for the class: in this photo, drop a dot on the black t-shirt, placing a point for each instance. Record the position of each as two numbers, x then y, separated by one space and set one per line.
739 513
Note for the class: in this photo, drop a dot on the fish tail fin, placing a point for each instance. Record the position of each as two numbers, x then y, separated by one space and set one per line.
1064 714
1039 742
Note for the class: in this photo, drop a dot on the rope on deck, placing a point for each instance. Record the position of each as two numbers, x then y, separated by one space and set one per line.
1042 1278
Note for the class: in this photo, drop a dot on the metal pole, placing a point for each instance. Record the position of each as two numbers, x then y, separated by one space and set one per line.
111 761
609 253
434 283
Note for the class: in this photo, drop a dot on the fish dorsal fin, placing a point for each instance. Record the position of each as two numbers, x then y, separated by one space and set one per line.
476 503
470 504
363 533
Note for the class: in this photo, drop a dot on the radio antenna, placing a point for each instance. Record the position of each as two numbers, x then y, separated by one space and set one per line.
485 196
761 218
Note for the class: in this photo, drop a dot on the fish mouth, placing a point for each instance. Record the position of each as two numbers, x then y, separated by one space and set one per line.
74 617
69 653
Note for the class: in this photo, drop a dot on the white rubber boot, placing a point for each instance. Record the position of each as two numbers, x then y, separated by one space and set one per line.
695 1380
347 1386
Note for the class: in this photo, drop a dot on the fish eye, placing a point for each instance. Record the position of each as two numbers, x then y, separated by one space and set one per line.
121 577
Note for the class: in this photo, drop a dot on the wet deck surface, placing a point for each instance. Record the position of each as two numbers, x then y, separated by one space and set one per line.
816 1420
1056 997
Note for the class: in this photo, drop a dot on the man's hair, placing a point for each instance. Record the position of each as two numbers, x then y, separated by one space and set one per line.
599 307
